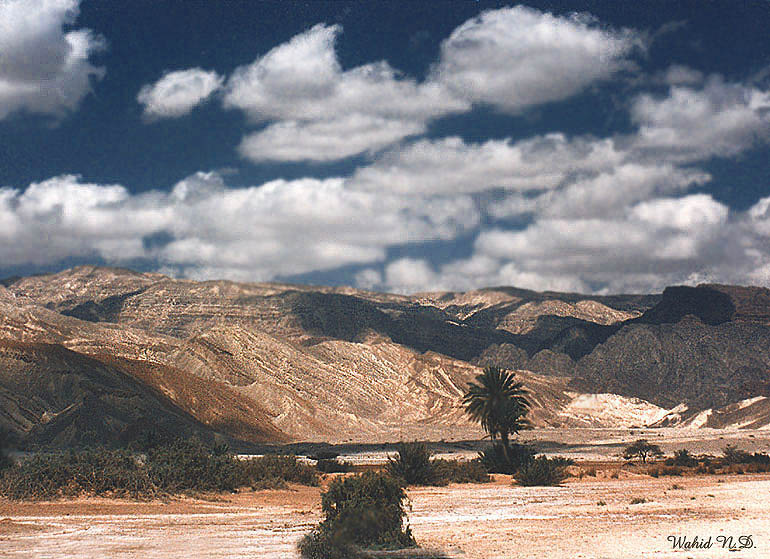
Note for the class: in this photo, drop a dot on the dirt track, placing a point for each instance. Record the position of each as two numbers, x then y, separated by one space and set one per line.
474 521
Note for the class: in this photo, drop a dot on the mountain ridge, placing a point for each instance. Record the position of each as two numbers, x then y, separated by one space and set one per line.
279 362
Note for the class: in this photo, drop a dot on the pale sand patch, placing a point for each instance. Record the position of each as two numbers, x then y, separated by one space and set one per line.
486 521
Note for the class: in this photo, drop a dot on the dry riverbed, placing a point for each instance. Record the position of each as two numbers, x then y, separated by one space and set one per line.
473 521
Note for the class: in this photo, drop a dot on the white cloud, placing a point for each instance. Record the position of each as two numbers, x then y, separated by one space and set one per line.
408 275
303 80
450 165
514 58
644 246
42 68
759 217
178 93
324 112
368 278
480 270
258 232
690 213
325 140
605 193
720 119
677 74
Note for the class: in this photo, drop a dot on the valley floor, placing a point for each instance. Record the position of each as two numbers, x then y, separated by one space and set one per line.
590 518
486 521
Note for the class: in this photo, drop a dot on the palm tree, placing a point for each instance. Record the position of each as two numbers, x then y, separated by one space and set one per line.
497 401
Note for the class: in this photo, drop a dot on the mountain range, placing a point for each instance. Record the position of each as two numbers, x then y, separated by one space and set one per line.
99 355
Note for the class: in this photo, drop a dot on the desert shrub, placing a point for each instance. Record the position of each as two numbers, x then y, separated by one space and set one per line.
412 464
760 458
187 465
273 470
591 471
671 471
658 471
755 468
642 449
733 455
541 471
363 511
7 440
494 459
683 458
333 465
562 461
638 500
89 472
460 471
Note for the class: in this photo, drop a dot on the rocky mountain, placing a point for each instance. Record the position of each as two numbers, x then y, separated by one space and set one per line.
98 354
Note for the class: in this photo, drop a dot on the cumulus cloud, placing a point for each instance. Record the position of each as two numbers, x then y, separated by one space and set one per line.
303 80
603 193
647 245
325 140
451 165
720 119
178 93
44 69
514 58
678 74
324 112
407 275
258 232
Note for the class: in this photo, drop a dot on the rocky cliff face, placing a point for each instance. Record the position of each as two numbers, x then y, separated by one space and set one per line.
90 354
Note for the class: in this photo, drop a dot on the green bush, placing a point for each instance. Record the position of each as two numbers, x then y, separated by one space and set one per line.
181 466
332 466
273 470
460 471
682 458
91 472
6 442
657 471
563 461
187 465
733 455
643 450
363 511
494 458
541 471
412 464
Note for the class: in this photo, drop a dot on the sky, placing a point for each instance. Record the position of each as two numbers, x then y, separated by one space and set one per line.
599 147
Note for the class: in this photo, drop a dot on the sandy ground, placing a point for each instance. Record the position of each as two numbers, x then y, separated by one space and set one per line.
495 520
484 521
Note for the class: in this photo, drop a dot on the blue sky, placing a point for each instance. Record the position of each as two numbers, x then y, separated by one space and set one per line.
405 146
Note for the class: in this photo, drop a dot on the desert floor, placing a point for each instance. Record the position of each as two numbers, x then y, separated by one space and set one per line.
590 517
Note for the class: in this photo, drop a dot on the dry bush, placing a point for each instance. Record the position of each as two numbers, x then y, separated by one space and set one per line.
69 474
542 471
362 511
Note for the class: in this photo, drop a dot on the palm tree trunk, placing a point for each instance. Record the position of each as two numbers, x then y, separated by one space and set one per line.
506 447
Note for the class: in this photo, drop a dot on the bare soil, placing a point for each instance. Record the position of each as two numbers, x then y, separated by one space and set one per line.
474 521
591 518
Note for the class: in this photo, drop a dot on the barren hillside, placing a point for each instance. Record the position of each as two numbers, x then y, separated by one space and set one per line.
90 354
